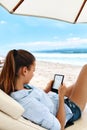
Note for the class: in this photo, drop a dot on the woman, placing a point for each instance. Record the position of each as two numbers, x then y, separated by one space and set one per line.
43 107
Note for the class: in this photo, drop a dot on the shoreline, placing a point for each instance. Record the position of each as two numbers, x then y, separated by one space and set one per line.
45 72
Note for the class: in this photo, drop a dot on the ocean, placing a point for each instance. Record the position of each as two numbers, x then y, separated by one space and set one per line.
65 56
72 56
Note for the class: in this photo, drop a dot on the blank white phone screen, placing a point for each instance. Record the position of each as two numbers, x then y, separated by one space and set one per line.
57 82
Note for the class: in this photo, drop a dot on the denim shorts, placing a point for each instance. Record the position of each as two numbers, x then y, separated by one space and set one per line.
75 110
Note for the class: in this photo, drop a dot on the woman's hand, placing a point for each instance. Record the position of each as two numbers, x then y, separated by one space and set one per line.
62 90
49 86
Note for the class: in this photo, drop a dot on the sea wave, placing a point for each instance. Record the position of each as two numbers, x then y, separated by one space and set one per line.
69 58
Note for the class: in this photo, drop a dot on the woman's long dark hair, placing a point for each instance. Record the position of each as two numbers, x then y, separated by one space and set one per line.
14 60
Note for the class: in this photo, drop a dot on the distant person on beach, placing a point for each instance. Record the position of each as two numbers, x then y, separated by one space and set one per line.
44 107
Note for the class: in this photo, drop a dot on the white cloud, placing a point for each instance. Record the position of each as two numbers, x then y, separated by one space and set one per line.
39 45
77 41
3 22
56 37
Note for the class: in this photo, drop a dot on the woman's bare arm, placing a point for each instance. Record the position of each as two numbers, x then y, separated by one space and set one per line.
61 113
61 110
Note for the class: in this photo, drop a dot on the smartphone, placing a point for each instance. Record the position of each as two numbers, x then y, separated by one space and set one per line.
58 80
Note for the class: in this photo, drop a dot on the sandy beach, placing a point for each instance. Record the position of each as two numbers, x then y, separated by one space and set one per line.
45 72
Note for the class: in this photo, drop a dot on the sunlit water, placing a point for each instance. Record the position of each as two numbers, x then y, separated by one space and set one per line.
69 58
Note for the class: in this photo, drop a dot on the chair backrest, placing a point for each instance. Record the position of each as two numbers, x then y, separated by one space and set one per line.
9 106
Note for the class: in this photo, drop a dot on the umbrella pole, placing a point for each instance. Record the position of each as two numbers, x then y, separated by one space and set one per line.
80 11
18 4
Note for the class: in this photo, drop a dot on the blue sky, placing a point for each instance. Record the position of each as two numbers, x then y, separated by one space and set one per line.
38 33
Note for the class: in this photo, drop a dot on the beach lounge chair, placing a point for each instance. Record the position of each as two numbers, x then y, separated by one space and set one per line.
11 119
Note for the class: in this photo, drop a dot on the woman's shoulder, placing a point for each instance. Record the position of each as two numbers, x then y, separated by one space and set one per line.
19 94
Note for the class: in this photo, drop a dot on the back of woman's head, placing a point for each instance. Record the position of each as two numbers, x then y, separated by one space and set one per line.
15 59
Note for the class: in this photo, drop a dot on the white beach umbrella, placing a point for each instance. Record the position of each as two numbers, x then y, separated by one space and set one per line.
73 11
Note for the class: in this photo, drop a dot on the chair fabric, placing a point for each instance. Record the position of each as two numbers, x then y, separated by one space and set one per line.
10 106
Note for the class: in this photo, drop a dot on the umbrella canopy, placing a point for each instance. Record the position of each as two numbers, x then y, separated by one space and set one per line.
73 11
